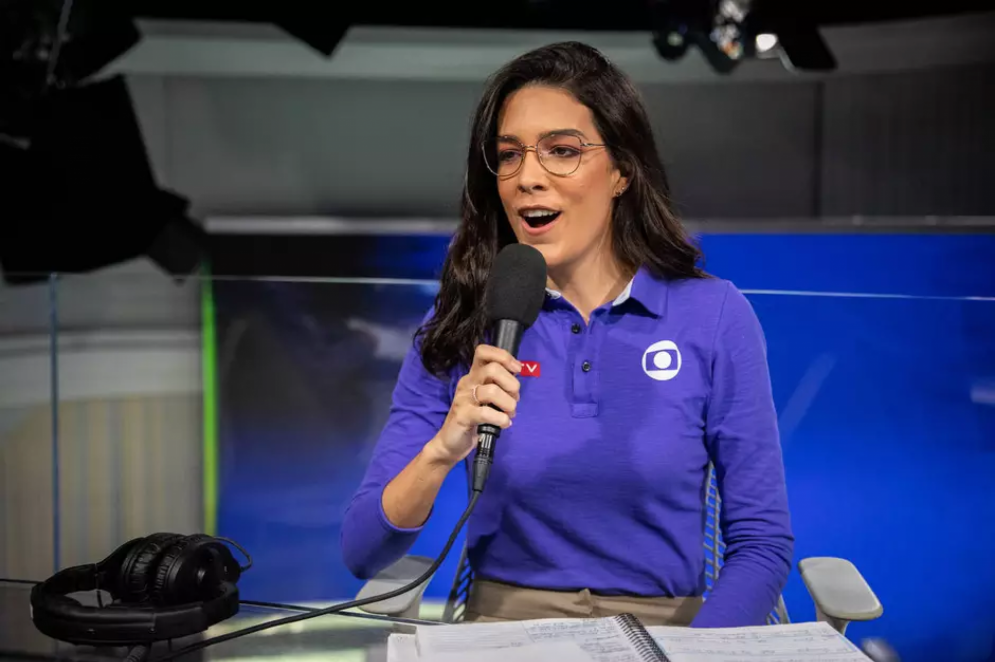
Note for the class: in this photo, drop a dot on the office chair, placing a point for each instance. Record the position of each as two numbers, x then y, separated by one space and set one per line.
840 593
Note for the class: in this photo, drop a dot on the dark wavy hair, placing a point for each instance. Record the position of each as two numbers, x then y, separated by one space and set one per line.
645 231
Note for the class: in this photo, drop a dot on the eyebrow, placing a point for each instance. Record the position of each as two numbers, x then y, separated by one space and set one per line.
555 132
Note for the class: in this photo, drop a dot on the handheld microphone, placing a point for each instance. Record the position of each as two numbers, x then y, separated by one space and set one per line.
514 294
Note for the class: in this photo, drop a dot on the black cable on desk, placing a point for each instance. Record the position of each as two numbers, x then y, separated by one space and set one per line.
352 614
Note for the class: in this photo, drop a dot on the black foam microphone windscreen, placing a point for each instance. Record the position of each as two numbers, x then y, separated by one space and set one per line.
516 285
513 297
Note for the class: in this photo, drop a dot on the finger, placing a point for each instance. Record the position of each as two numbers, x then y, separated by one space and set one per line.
465 386
485 354
469 415
492 416
495 373
492 394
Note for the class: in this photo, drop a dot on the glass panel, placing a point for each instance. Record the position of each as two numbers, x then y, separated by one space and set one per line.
305 372
26 467
887 421
130 403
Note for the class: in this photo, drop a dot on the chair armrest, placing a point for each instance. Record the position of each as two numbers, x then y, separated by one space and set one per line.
404 571
879 650
839 591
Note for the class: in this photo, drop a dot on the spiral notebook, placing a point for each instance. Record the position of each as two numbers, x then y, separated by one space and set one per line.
612 639
624 639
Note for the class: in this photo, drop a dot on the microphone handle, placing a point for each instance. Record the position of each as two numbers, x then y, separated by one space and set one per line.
482 462
507 336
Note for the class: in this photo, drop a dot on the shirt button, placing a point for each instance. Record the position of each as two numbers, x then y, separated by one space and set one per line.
586 366
575 328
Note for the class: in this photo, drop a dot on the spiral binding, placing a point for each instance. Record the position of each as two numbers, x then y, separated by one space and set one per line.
642 640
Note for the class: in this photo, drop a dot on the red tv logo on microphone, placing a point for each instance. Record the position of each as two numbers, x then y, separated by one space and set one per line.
531 369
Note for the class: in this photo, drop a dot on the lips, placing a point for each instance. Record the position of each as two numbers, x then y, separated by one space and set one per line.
538 217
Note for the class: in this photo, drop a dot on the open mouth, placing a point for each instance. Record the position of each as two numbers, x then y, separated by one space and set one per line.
537 218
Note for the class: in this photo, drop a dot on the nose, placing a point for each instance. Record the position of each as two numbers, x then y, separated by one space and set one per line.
532 176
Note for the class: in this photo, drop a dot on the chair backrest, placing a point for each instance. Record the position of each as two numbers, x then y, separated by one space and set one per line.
714 560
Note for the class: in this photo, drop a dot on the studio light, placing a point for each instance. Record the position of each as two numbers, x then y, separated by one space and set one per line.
765 42
48 44
718 29
729 32
676 22
86 196
79 191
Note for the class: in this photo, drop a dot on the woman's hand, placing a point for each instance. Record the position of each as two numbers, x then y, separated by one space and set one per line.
491 381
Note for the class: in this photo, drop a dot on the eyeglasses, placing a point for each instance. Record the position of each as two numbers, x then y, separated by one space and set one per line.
560 154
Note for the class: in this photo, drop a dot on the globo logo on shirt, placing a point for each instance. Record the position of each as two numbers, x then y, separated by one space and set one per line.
662 360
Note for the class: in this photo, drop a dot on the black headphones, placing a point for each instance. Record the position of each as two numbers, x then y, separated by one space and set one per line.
164 586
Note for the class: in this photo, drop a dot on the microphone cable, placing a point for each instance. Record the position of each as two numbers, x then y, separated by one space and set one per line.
282 606
327 611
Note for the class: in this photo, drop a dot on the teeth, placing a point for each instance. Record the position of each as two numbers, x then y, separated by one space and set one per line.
539 213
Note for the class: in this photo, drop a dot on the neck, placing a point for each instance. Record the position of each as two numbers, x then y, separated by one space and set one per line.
588 284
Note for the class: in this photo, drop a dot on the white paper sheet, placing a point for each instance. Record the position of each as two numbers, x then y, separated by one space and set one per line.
560 651
601 639
401 648
792 642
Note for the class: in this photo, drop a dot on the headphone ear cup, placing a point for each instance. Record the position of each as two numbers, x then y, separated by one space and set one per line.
136 571
172 583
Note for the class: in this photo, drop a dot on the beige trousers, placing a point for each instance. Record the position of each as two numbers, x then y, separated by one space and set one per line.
491 601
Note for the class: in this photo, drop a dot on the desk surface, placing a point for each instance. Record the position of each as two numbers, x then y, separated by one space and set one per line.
336 638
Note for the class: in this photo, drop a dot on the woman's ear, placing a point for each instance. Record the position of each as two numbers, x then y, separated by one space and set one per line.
621 183
622 179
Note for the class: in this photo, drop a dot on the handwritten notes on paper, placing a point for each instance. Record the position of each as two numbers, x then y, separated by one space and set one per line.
402 648
605 640
792 642
601 640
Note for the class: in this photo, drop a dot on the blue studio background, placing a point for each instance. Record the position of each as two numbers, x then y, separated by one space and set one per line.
882 355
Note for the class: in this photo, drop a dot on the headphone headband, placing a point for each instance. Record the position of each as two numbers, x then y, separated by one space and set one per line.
188 583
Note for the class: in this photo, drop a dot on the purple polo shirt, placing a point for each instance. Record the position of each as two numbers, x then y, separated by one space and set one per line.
600 481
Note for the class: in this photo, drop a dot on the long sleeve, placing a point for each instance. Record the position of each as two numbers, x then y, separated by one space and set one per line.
744 445
420 402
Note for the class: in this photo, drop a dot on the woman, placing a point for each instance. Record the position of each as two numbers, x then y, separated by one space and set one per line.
647 369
